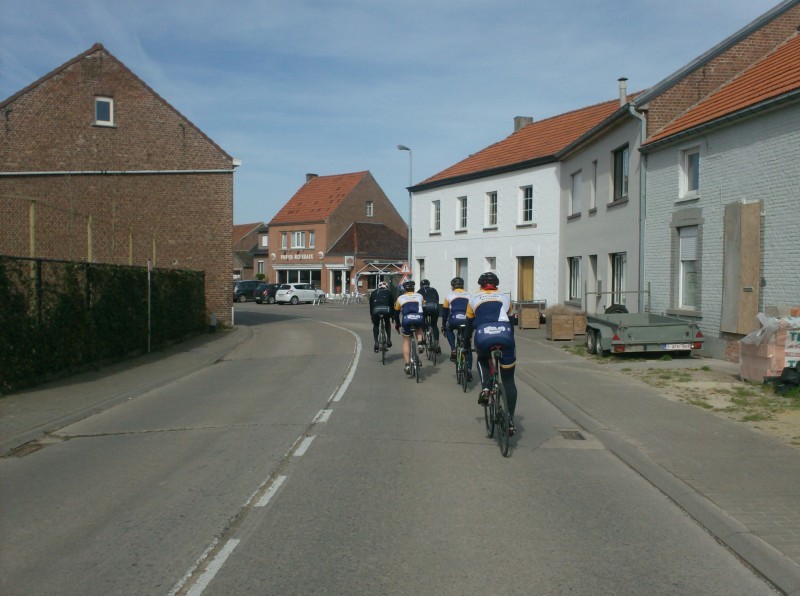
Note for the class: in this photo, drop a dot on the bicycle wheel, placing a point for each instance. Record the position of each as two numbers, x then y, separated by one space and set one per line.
463 362
503 417
459 368
435 350
382 342
489 416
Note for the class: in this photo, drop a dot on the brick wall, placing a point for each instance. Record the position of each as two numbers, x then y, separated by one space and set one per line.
181 220
712 75
755 159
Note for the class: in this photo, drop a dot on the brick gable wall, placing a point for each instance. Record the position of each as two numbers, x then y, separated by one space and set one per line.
711 76
181 220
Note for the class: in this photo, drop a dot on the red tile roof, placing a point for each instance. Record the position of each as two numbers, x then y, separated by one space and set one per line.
541 139
370 240
777 74
318 198
242 230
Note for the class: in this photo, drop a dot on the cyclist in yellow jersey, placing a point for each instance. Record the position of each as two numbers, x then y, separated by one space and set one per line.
487 317
408 313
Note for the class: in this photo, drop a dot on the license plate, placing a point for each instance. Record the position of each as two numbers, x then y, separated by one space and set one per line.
634 348
676 346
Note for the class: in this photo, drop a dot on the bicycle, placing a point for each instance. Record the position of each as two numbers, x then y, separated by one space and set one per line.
461 360
382 340
415 361
431 344
495 413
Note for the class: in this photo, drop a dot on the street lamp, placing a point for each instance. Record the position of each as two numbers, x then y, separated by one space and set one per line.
410 177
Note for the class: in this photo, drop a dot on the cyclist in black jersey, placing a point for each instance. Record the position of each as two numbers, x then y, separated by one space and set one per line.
430 308
381 305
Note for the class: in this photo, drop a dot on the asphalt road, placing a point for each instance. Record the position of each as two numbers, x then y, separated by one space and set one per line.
300 464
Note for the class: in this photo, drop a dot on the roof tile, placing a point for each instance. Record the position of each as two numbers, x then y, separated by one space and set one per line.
318 198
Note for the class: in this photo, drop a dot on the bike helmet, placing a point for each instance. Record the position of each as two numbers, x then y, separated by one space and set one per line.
409 285
457 282
488 279
424 283
383 285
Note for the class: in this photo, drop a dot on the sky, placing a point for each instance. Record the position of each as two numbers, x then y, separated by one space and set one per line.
334 86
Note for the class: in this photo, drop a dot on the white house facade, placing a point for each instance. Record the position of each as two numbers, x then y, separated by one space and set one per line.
506 223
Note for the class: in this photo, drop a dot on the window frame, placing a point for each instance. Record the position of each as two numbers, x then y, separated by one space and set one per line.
526 205
574 279
688 253
576 181
369 208
690 173
491 209
284 240
104 100
298 239
619 275
462 214
621 173
436 216
311 238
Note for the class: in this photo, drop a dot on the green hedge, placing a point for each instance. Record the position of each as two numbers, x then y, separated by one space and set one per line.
58 317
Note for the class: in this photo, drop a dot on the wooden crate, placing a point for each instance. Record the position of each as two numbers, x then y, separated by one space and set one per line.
579 324
528 316
560 327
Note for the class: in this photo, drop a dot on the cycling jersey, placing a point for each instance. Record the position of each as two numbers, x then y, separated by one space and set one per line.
408 311
454 307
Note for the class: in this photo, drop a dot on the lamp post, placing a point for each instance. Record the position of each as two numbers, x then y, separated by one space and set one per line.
410 177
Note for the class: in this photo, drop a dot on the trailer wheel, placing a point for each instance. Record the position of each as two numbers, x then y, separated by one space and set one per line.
592 338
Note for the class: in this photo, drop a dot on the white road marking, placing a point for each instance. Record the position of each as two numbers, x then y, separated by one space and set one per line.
337 395
271 492
213 568
303 446
322 416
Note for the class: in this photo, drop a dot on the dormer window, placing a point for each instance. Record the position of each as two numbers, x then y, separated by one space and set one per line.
103 111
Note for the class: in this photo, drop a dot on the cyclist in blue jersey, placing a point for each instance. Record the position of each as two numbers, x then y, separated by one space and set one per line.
487 317
454 314
430 308
408 313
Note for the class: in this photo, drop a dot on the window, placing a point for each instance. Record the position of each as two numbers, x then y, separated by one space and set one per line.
575 193
369 208
421 268
462 213
687 275
436 216
593 189
574 264
298 239
284 243
690 184
462 270
491 263
260 267
104 111
311 238
619 265
621 173
491 210
264 241
526 211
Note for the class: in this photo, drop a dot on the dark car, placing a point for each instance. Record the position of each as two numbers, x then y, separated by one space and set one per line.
266 293
245 290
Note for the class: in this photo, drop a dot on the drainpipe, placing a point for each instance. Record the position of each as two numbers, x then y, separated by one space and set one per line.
642 199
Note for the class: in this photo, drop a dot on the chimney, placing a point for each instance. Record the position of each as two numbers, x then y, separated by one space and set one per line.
521 122
623 91
310 177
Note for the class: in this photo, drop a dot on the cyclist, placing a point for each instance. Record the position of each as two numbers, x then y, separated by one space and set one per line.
454 314
408 312
380 307
430 308
487 317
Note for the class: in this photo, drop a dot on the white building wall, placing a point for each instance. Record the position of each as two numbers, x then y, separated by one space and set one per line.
750 160
608 227
508 241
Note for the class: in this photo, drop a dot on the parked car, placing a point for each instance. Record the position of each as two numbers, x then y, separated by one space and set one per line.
296 293
244 290
266 293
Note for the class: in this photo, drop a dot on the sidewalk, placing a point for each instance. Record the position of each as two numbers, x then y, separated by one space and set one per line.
29 415
742 487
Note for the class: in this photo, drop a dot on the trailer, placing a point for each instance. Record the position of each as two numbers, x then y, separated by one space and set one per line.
625 332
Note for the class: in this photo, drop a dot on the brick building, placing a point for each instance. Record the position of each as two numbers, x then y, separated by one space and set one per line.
250 252
340 233
96 166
